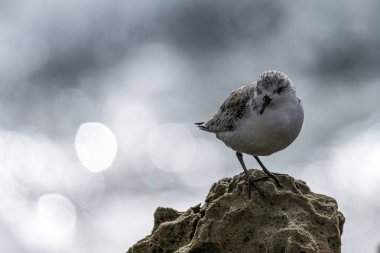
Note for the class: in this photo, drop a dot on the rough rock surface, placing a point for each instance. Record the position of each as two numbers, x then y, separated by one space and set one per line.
289 219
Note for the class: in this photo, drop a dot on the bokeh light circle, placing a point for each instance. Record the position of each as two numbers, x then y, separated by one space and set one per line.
96 146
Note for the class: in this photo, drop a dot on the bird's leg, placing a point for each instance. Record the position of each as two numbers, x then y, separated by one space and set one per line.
264 178
268 172
251 183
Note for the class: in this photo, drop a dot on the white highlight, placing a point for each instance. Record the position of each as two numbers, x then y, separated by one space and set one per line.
96 146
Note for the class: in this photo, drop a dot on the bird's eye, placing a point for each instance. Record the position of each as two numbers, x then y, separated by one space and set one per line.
279 90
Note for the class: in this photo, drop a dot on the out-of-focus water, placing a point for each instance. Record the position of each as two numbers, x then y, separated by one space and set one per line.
98 100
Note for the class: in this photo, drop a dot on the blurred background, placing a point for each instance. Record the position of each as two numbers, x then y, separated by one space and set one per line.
98 100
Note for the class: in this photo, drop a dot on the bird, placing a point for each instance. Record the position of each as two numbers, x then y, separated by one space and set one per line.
259 119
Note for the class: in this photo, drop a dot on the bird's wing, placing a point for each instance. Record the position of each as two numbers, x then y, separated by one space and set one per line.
231 111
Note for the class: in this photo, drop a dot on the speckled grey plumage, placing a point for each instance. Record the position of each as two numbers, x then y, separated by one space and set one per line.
231 110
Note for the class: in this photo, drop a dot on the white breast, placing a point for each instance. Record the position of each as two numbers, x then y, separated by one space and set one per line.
270 132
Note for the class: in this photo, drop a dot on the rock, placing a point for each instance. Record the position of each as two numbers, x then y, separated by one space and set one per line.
290 219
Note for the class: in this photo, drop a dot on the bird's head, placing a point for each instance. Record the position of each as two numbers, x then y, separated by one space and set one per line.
271 86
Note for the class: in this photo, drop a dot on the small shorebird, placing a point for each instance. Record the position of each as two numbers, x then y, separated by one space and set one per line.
259 119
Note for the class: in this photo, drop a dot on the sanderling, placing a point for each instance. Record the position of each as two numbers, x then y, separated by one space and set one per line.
259 119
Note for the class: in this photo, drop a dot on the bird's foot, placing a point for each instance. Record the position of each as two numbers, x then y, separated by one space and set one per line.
270 175
264 178
253 186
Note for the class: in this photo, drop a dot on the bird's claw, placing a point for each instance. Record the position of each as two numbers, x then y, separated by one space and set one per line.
264 178
275 180
251 184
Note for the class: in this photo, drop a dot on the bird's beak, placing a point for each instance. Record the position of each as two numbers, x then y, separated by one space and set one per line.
266 102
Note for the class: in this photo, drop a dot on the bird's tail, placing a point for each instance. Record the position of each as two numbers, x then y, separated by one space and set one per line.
202 126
